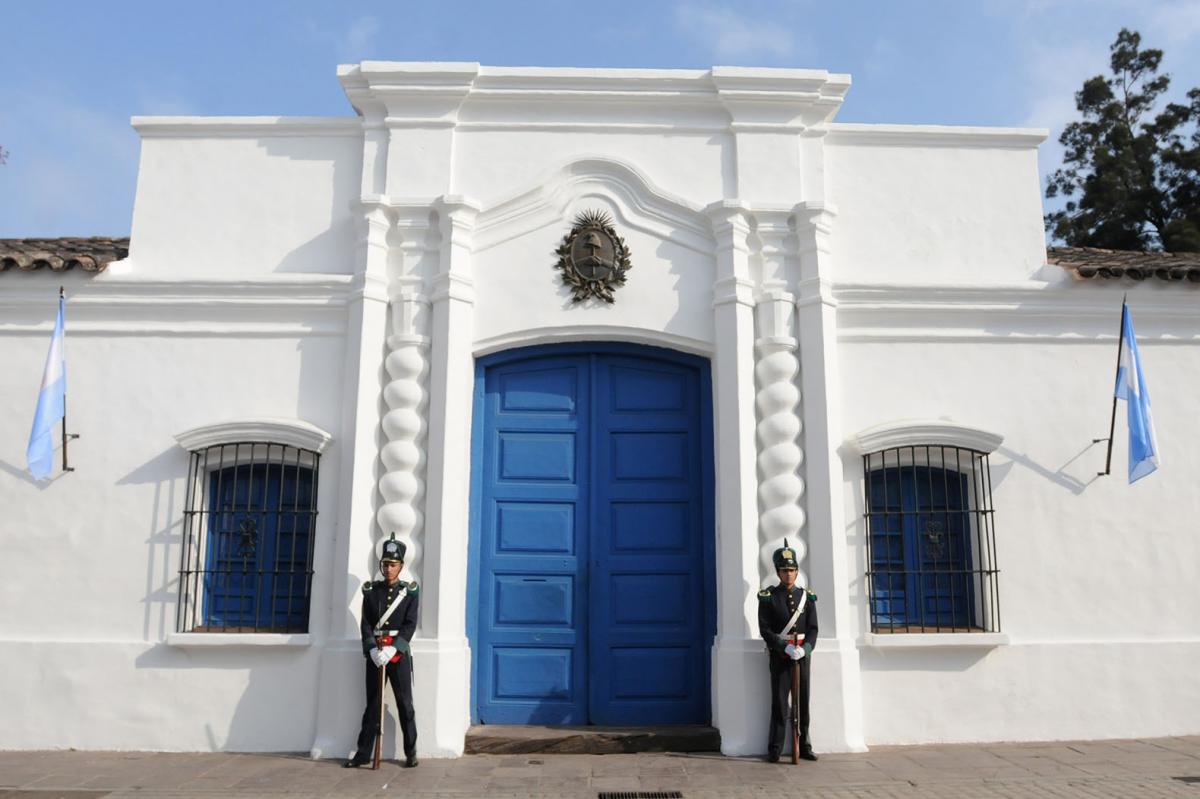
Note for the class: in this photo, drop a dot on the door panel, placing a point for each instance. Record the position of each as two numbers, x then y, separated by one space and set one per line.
647 646
532 662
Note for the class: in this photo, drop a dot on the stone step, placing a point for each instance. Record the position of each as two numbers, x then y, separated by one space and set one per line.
506 739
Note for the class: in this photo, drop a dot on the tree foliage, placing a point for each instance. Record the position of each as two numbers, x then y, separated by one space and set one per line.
1131 176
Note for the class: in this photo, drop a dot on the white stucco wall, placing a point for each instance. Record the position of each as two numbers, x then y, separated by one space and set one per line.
935 204
250 195
89 576
1096 574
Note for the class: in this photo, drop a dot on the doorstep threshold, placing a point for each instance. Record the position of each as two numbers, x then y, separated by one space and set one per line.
518 739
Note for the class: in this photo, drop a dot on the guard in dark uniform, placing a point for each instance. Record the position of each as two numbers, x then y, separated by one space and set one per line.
400 624
776 606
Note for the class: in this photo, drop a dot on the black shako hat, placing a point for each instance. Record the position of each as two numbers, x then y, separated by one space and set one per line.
393 551
785 557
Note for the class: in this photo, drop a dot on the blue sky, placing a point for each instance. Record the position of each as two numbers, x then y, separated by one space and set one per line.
72 73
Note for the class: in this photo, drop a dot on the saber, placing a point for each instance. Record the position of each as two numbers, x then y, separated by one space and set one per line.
795 704
385 641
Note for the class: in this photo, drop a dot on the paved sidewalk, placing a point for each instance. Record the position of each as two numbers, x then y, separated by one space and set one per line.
1006 771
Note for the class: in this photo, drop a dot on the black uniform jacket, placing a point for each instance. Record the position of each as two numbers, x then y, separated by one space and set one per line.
775 607
377 596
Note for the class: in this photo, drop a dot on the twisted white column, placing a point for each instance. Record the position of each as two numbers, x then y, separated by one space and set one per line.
403 424
404 427
779 453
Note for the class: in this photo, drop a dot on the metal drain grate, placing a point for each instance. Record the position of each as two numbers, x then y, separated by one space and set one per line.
640 795
1192 780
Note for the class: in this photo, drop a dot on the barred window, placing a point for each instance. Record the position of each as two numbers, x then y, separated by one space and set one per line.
248 539
931 544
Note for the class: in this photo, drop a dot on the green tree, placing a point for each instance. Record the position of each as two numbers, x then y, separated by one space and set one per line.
1132 177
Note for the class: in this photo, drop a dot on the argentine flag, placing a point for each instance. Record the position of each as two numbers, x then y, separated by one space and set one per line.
51 404
1131 387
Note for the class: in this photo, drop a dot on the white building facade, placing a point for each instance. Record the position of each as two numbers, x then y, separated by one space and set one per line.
590 491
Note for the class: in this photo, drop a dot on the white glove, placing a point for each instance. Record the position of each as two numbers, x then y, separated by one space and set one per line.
793 651
389 652
799 653
377 657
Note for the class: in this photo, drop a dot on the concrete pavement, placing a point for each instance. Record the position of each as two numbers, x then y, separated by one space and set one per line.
1092 769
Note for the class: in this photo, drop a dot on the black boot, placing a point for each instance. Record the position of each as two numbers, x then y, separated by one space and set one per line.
356 761
411 761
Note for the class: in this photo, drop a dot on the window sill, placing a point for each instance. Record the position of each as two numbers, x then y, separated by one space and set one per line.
933 640
230 640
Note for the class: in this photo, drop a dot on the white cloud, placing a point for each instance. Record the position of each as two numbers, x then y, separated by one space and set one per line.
1176 23
355 43
732 35
1054 70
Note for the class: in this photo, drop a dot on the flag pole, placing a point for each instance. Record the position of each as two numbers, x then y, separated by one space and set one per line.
65 435
1112 422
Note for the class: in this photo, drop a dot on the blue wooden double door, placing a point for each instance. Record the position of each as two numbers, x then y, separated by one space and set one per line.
594 536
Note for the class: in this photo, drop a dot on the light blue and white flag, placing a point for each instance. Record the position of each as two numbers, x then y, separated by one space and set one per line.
51 404
1131 387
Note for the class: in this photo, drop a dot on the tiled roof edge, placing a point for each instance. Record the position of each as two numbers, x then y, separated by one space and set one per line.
1089 263
89 254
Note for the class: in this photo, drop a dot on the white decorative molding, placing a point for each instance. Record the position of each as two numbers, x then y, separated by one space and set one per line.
149 127
767 100
265 430
271 305
231 640
558 335
647 208
1068 312
404 424
778 433
934 640
403 455
915 433
855 134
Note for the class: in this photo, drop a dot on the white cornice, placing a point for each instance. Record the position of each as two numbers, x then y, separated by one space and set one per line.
264 430
244 127
1067 312
128 304
921 432
426 94
852 134
780 84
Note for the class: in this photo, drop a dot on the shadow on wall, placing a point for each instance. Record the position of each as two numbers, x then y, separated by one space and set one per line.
271 714
164 537
21 473
910 660
276 710
332 250
1073 475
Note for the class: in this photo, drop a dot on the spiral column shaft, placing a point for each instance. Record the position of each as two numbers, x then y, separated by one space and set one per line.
779 455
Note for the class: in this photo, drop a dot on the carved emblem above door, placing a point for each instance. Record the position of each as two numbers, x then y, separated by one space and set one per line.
593 258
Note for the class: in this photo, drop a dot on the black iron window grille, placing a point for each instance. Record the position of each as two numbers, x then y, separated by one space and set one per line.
931 541
248 536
